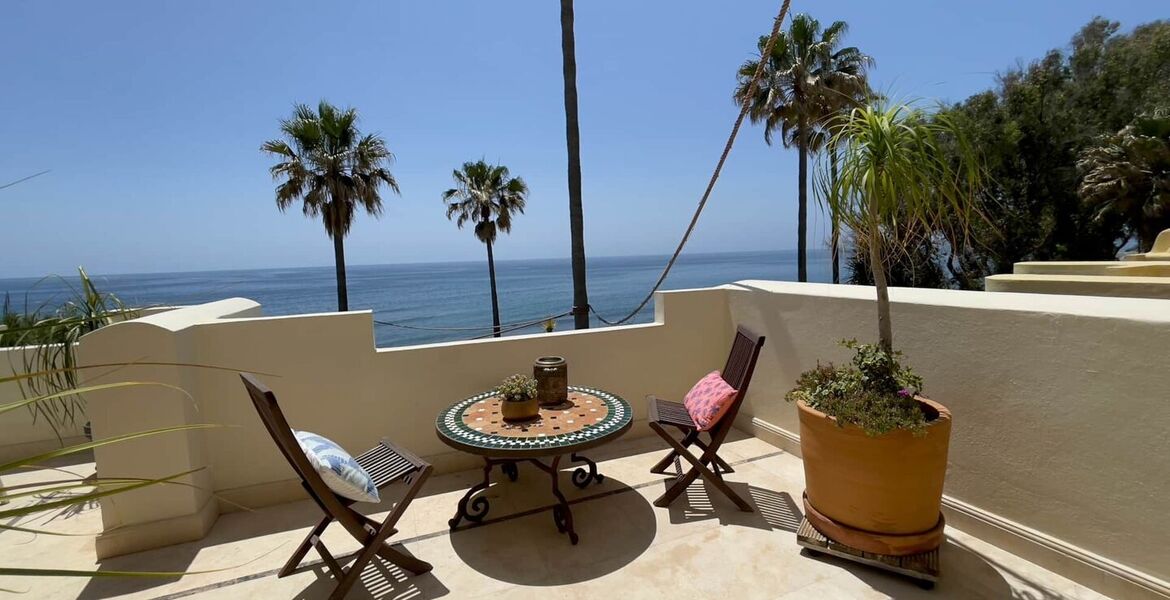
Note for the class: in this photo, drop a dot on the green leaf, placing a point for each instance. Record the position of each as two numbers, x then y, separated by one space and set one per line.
72 500
32 460
85 389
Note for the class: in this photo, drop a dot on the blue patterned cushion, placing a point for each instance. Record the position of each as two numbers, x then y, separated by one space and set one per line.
337 468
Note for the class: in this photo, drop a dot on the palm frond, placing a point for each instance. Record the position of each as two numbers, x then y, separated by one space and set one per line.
486 195
330 166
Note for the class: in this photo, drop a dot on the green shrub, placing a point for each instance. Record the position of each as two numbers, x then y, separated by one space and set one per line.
875 392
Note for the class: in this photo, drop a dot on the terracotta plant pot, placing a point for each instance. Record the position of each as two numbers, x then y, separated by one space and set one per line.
519 410
880 494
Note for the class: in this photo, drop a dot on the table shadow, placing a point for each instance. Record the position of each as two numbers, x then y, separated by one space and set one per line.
615 527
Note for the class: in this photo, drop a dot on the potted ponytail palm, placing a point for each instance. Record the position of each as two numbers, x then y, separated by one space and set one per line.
874 449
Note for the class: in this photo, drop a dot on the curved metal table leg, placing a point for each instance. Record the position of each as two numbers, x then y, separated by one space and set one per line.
475 510
511 469
581 477
562 514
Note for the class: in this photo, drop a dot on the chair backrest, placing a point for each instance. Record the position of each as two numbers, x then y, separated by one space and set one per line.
741 363
272 417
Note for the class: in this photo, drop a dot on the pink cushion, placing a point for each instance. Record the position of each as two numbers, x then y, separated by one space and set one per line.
709 400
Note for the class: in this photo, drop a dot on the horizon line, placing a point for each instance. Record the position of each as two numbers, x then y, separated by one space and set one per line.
811 251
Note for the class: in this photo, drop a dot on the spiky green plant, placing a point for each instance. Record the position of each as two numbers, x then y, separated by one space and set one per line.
20 502
900 176
49 344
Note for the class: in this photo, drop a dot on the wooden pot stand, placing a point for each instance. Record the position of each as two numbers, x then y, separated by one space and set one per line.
918 558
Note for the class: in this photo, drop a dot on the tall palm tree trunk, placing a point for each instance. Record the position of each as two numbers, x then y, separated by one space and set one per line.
495 298
573 143
835 235
339 260
802 207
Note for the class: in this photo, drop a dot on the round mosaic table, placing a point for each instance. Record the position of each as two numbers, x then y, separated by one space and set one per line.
591 417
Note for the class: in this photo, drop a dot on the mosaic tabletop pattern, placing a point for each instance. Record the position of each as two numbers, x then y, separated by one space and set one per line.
590 416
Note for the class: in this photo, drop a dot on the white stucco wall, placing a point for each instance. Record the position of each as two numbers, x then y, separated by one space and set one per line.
20 434
1061 404
1121 286
1060 411
330 378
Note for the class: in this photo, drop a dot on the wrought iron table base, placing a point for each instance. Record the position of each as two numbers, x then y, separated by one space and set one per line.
475 508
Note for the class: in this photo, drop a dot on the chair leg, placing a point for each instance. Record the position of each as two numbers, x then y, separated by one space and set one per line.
698 468
295 560
668 460
374 546
721 464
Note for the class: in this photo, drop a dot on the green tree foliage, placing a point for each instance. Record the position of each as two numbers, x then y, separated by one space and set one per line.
1032 130
1127 177
919 264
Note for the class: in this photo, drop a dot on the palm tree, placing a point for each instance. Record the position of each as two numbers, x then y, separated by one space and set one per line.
573 143
807 79
486 195
1127 177
327 164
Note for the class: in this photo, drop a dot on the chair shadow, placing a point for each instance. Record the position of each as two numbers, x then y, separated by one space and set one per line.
230 528
526 549
378 581
703 501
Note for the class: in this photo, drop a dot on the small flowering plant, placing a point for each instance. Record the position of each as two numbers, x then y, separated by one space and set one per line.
517 387
875 392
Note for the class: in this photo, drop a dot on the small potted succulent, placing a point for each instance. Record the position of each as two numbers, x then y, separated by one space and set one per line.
518 398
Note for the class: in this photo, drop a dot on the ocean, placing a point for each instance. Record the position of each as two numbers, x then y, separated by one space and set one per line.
433 296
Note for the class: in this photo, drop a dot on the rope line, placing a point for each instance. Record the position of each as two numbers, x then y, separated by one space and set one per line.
504 330
503 327
743 111
23 179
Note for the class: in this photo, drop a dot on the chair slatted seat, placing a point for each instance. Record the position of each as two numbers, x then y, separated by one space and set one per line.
386 463
663 414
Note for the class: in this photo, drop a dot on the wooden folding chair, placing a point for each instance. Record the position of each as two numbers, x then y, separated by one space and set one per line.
664 413
386 464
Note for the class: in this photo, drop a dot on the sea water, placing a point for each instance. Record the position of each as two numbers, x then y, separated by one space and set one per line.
438 298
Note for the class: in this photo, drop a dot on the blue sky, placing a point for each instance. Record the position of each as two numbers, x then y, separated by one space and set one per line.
150 116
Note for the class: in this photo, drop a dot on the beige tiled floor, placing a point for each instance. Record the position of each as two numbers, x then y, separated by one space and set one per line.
700 547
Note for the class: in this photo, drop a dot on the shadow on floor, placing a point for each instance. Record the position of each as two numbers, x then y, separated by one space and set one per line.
380 580
703 501
965 575
528 550
230 528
